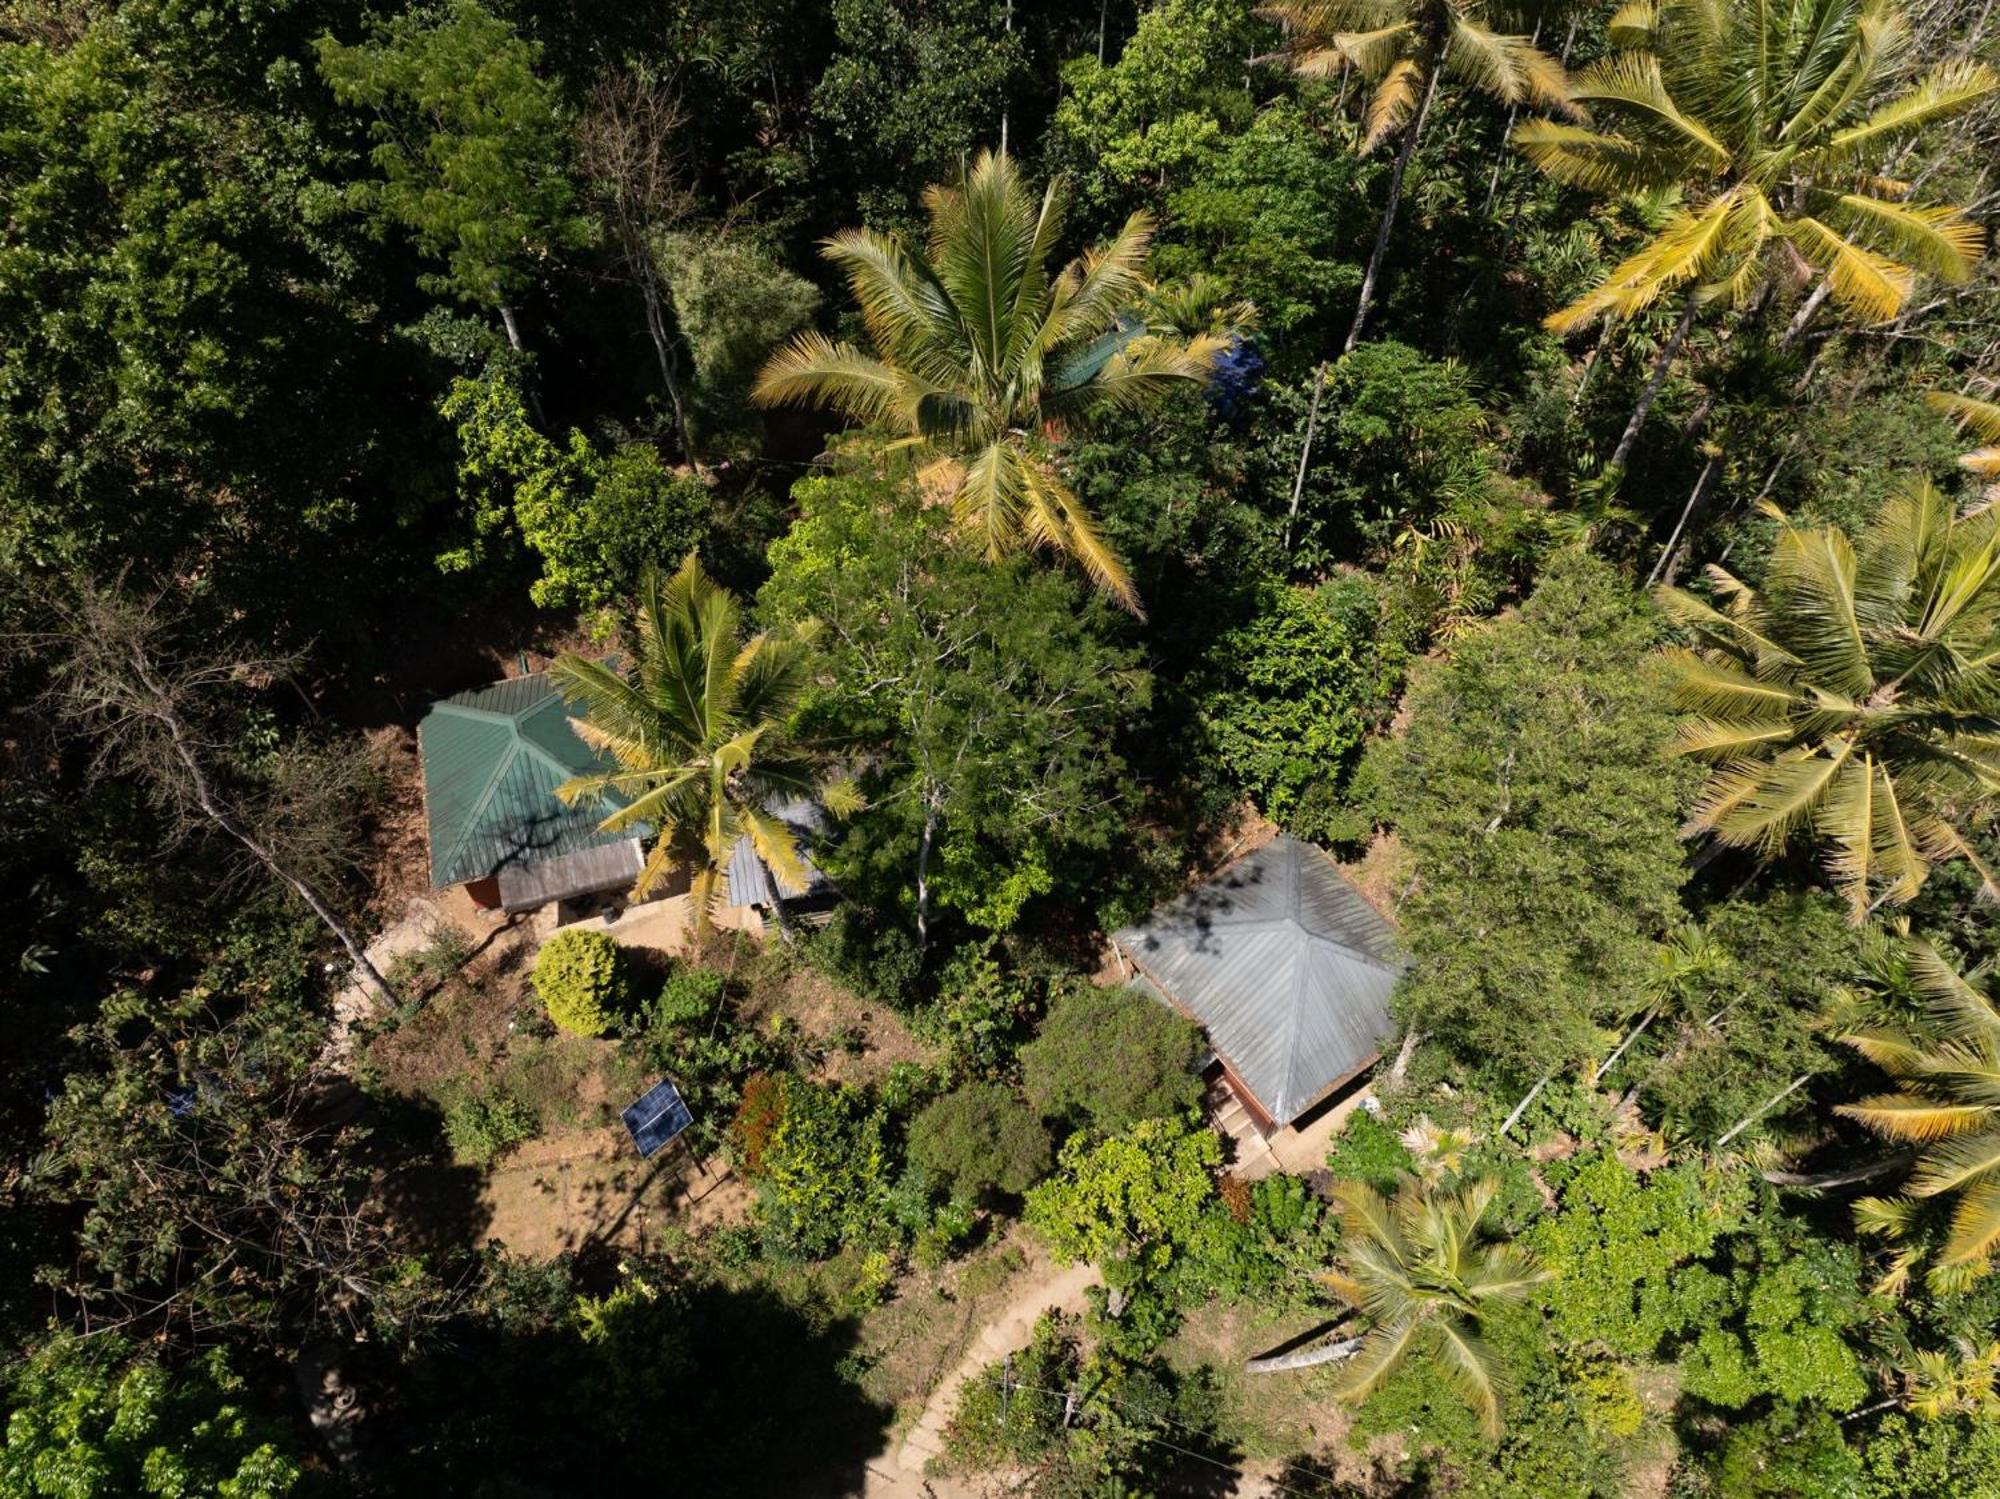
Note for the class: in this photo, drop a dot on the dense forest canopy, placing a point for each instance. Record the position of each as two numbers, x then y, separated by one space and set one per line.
970 472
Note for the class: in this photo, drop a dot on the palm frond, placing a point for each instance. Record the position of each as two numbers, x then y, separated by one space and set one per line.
1905 1116
1947 90
1871 285
1939 240
1392 103
1469 1365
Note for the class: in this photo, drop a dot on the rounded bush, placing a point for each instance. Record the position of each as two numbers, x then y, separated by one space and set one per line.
578 982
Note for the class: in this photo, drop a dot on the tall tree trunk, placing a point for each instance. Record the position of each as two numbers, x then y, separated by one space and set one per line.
513 326
656 329
1004 106
924 846
1369 278
1666 566
1305 455
1636 1032
1590 364
1764 1108
1662 362
1522 1107
1305 1358
213 809
1507 132
1709 472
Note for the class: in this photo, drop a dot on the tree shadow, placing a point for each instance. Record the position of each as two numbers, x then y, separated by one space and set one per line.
437 1205
695 1390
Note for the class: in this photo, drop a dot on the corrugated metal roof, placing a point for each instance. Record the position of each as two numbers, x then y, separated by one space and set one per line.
749 879
492 759
1285 964
607 866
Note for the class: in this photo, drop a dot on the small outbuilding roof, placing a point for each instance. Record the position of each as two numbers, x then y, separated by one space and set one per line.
493 758
750 881
1285 964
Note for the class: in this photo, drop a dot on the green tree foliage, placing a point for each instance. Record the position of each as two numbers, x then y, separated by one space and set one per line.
911 91
1284 698
1783 1331
824 1174
1774 124
92 1419
734 303
978 1137
594 520
181 306
470 145
1108 1058
1845 698
1628 1251
1171 101
1135 1197
697 728
984 352
578 980
1757 1024
1530 791
1405 48
988 699
193 1120
1271 211
1786 1450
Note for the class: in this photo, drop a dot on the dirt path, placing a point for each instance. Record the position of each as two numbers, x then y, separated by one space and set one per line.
899 1474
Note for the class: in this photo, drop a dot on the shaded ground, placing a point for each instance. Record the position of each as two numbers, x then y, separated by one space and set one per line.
1286 1417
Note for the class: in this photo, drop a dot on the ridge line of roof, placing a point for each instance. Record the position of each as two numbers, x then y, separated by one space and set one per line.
1366 960
501 765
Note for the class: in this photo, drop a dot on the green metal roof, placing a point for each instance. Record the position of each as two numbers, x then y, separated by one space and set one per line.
493 758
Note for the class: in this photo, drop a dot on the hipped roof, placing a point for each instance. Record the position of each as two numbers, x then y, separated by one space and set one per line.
1285 964
492 760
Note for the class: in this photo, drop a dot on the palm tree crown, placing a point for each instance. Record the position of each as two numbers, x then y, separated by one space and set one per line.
1980 419
1771 122
984 356
696 731
1418 1267
1946 1103
1856 694
1401 46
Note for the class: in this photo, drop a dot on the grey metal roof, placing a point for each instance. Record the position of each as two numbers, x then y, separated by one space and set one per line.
750 880
1286 965
585 871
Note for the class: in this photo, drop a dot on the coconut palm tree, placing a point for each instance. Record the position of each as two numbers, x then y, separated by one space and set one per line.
985 355
696 735
1775 125
1417 1267
1981 419
1946 1105
1855 696
1404 48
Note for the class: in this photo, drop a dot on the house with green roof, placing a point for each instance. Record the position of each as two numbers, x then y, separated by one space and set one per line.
492 759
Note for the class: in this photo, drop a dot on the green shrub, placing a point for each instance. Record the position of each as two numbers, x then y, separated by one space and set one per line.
688 999
577 978
1111 1057
481 1130
980 1137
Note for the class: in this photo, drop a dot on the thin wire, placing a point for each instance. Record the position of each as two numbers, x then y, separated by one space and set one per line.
1317 1478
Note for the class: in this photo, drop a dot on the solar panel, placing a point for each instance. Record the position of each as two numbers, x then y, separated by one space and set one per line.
657 1117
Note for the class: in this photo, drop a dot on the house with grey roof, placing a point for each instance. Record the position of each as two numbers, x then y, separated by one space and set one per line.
1288 969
